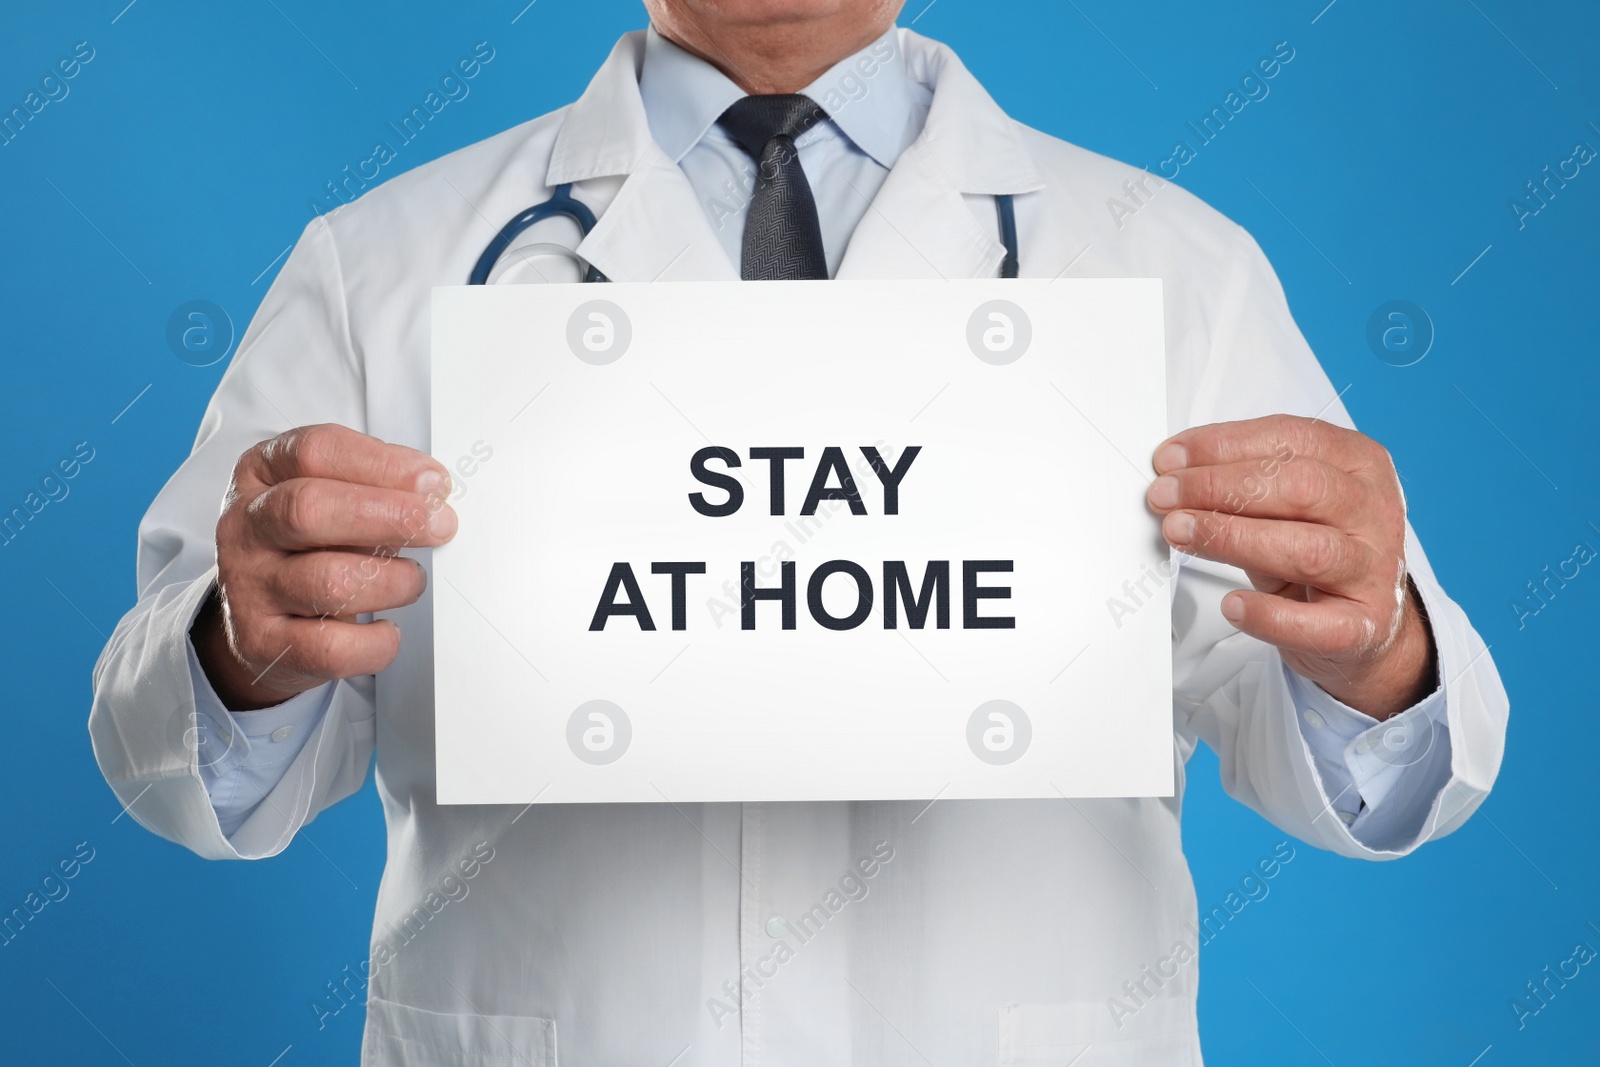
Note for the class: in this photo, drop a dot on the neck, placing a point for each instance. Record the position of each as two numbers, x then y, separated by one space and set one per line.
782 57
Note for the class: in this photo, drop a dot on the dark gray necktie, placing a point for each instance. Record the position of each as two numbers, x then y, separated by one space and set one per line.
782 239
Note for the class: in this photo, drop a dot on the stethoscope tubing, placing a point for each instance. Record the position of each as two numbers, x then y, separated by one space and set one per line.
562 204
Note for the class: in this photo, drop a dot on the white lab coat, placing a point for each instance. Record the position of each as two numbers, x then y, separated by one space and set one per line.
996 932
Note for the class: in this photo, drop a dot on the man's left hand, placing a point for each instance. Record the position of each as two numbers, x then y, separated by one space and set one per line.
1314 516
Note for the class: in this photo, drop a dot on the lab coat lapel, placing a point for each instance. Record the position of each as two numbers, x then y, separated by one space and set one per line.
654 229
919 226
922 223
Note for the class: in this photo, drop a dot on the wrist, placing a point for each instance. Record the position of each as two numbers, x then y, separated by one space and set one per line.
238 686
1399 677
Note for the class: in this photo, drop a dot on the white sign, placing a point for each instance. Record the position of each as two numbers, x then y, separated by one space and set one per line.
768 541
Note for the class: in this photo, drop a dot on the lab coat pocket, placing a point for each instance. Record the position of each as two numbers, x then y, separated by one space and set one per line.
398 1035
1161 1034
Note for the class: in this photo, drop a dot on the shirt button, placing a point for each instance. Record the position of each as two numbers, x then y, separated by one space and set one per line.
776 926
1347 817
1364 746
283 733
1314 720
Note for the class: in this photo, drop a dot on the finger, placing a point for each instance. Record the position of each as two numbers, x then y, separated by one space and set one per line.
340 584
1305 488
305 513
306 652
1329 628
1280 436
1300 552
341 454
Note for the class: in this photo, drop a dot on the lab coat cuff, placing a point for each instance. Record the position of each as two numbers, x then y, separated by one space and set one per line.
143 722
1469 739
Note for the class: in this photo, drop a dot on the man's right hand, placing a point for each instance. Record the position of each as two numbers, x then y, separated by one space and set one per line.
306 542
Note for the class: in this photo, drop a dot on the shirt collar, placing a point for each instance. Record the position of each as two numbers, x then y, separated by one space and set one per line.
972 145
868 95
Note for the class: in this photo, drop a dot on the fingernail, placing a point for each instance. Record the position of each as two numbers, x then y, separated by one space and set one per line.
1233 608
1180 528
432 483
442 523
1164 492
1171 457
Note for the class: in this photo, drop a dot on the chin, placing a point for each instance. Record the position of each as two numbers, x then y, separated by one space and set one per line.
777 11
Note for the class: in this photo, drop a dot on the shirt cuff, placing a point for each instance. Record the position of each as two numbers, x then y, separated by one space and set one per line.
243 755
1380 777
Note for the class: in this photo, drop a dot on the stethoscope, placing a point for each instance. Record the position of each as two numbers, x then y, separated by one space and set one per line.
562 204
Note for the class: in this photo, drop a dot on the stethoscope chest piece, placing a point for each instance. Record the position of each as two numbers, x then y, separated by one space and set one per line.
563 205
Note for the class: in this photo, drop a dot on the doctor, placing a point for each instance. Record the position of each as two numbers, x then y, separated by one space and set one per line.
1347 697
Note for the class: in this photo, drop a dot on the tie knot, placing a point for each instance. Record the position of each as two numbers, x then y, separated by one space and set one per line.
755 120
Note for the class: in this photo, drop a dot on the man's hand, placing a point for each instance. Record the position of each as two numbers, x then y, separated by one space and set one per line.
1314 515
306 542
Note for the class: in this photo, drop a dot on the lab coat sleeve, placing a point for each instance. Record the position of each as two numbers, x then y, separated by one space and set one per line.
295 366
1233 692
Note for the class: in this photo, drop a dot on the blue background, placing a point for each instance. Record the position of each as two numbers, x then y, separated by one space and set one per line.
184 162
